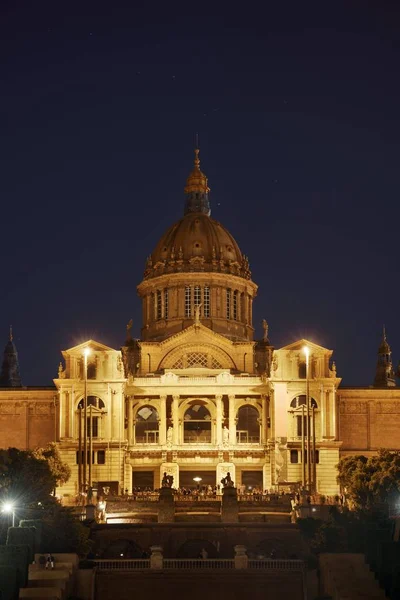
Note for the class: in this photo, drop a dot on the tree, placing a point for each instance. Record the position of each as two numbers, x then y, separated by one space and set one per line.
59 470
370 481
29 477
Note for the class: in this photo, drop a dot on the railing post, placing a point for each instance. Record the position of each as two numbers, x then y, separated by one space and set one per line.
156 557
241 558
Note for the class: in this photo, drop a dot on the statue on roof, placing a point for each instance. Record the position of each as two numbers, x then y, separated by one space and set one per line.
197 309
265 328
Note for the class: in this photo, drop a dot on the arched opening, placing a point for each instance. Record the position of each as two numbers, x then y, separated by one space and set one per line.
197 425
248 425
122 549
95 412
302 425
146 425
197 549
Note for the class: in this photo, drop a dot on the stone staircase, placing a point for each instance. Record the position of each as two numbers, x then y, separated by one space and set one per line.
347 576
54 584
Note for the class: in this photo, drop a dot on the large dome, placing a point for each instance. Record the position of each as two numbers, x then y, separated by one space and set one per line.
197 243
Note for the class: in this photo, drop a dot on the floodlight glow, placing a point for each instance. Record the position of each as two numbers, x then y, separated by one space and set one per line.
86 352
197 479
8 507
306 351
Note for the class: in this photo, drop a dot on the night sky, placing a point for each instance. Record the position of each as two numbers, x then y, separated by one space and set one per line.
297 110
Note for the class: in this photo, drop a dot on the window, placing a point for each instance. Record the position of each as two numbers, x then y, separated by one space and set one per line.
197 359
302 370
294 457
299 425
302 401
206 301
228 303
159 305
188 303
146 426
93 427
235 305
197 425
101 457
248 425
165 304
91 370
316 456
197 295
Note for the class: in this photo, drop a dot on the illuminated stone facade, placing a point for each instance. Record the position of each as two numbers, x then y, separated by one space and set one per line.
197 396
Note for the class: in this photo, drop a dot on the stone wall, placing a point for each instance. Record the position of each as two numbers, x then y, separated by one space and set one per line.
369 419
28 417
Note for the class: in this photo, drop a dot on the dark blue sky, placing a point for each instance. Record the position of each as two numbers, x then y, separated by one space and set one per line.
297 112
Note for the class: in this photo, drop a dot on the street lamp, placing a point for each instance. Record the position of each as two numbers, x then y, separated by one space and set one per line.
197 480
8 507
306 351
86 353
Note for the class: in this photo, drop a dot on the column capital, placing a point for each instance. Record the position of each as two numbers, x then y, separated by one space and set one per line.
163 396
231 396
218 396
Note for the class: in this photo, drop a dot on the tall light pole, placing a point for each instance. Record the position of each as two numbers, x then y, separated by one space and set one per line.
8 507
309 482
86 353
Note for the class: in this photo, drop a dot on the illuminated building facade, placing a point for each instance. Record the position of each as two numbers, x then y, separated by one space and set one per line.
197 395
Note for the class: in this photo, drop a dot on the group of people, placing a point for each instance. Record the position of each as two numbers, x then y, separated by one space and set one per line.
46 561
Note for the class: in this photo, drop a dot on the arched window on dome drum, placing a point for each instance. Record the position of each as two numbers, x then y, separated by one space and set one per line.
159 305
146 425
228 303
188 301
197 295
165 304
197 425
206 301
248 425
235 305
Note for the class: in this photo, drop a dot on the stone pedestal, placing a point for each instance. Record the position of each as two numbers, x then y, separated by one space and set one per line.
230 505
90 512
241 558
156 557
166 508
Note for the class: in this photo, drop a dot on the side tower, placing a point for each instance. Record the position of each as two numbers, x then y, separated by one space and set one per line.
10 375
384 376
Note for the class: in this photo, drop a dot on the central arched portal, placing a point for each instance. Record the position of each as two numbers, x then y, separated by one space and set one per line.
197 424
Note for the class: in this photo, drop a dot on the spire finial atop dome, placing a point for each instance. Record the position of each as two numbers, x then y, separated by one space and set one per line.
197 189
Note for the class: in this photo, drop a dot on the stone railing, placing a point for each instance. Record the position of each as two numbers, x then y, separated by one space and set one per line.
239 562
276 564
121 564
198 563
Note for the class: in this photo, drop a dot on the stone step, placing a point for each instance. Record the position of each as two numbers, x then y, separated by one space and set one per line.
41 593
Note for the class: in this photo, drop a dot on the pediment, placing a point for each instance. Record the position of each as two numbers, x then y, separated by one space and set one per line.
92 344
194 334
300 344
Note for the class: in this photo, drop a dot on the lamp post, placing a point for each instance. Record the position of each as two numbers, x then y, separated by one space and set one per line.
309 482
86 353
8 507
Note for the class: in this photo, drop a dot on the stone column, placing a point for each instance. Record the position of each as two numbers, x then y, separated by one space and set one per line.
333 404
156 557
162 425
322 406
218 437
232 420
241 558
175 419
229 505
166 507
130 421
264 419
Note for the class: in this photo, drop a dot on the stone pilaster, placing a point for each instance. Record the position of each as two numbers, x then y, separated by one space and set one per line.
232 420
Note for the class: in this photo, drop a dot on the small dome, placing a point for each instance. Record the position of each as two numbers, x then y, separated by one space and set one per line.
197 243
